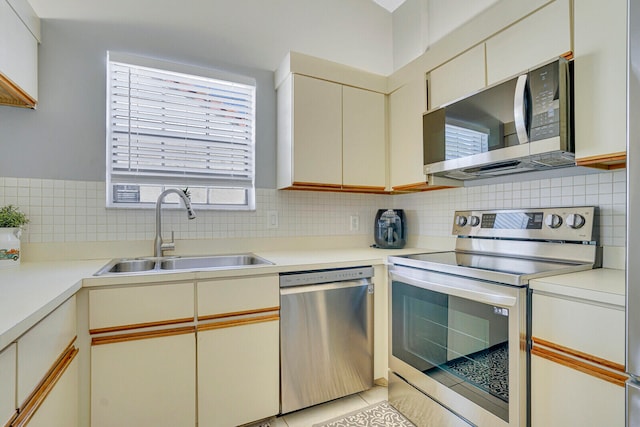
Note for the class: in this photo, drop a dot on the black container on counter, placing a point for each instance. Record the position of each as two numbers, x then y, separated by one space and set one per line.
390 229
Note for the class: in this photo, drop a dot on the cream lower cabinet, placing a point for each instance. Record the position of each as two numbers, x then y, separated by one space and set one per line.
143 355
144 381
577 363
238 350
45 372
238 373
60 408
7 384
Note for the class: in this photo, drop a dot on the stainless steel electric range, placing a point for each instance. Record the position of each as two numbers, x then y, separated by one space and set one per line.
459 320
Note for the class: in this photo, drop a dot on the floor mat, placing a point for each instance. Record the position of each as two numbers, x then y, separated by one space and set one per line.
379 415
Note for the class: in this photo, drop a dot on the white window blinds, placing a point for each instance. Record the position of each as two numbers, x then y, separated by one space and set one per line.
171 128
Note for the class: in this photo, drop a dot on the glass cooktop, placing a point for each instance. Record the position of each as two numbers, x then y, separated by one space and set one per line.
497 268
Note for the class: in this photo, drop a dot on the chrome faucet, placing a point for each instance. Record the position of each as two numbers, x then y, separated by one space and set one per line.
159 246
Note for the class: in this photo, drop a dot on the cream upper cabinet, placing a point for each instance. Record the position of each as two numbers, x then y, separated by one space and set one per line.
7 384
536 39
238 350
407 104
461 76
309 132
577 363
600 81
364 138
329 135
19 32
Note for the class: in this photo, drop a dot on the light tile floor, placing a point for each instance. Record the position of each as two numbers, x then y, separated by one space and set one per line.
333 409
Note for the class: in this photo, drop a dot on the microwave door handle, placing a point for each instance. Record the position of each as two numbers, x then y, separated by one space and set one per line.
519 109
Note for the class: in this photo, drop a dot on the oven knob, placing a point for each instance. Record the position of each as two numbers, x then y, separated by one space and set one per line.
473 220
553 221
575 220
461 220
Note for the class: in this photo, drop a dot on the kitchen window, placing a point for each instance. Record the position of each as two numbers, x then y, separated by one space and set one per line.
176 126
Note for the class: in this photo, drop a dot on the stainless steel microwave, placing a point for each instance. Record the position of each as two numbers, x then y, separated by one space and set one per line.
521 124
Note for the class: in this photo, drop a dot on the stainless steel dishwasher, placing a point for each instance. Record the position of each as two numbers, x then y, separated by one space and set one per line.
326 335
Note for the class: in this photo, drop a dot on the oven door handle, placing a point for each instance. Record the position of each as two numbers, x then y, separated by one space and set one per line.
481 293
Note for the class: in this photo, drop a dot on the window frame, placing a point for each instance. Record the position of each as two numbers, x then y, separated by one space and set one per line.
210 183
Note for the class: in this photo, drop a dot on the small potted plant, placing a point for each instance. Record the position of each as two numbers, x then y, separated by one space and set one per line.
12 221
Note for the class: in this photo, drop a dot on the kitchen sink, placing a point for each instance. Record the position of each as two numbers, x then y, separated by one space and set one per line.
181 263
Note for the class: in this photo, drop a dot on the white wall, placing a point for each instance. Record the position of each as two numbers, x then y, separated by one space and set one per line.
250 33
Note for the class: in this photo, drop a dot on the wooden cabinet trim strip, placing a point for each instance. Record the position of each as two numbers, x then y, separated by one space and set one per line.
237 313
238 322
10 94
36 399
50 372
121 328
315 184
606 161
111 339
618 377
579 354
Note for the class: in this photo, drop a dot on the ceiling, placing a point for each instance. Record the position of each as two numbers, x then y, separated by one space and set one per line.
390 5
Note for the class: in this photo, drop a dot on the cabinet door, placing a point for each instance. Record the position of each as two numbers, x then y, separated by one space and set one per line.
406 107
536 39
60 408
317 131
462 75
600 80
364 136
144 382
561 397
18 57
238 374
7 384
41 346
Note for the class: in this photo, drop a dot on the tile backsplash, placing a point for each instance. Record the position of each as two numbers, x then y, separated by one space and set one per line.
74 211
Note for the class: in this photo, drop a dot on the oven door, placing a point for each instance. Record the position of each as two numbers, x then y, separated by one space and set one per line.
462 342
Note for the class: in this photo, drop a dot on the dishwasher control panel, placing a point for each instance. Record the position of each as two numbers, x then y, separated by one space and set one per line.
324 276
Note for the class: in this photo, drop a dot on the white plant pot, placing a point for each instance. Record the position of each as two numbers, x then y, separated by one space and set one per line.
9 247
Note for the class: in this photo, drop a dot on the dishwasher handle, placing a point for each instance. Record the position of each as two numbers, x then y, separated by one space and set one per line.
321 287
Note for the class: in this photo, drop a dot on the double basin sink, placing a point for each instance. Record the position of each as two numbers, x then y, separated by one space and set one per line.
179 263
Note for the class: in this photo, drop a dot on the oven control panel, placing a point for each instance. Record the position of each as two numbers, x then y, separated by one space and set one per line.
568 223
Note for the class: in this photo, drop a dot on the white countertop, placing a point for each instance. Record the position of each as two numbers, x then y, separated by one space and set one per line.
32 290
605 285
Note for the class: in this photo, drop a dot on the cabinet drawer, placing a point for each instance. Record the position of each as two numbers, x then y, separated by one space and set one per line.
7 384
139 306
590 328
42 346
239 295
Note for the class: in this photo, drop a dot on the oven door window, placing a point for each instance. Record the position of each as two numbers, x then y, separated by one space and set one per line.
462 344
